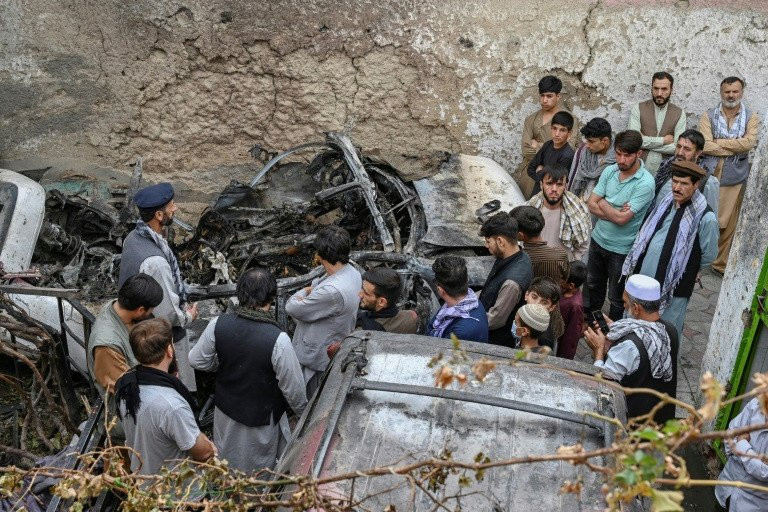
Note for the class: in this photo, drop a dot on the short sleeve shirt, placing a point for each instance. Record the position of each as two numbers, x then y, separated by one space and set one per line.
164 429
638 191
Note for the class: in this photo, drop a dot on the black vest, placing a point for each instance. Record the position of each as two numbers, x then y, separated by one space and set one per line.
246 383
687 282
641 403
516 268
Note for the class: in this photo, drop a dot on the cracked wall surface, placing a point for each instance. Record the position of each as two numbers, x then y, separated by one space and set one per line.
192 85
732 315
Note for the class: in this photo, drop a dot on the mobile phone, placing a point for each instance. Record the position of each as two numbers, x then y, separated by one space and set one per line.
600 319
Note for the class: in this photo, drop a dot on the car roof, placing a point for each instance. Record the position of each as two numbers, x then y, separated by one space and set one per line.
372 411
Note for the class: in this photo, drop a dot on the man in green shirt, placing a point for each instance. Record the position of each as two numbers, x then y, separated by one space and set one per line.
620 199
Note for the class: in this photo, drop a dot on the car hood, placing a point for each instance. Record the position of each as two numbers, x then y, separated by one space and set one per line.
451 197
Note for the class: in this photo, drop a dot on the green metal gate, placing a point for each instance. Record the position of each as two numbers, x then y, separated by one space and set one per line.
753 353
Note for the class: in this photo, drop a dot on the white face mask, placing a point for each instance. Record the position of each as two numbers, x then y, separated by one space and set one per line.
514 333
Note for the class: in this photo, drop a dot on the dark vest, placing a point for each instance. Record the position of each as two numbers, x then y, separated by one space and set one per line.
136 249
648 119
246 383
516 268
687 282
641 403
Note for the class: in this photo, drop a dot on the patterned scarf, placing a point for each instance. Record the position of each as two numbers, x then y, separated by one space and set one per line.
182 289
575 222
681 252
587 168
664 172
448 314
720 129
655 339
257 315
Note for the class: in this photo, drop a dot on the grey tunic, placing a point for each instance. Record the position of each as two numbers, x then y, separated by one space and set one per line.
743 464
160 270
246 448
326 315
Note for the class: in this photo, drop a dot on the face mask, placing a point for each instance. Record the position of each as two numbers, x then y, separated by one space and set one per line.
514 333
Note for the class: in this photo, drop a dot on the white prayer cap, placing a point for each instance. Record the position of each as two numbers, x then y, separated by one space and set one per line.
534 316
643 287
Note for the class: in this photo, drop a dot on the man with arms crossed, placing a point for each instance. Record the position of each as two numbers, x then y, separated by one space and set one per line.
619 201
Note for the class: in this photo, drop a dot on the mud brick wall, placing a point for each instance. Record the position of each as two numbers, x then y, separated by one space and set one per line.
191 85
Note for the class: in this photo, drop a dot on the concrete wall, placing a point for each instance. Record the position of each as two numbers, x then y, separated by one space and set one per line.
744 264
191 85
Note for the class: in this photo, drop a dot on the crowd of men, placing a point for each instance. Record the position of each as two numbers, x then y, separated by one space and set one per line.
634 216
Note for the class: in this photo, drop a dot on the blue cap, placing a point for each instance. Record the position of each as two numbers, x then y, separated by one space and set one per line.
154 196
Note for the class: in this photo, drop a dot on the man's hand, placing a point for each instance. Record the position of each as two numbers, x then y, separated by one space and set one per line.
743 437
307 290
332 349
596 341
192 311
669 139
534 143
624 207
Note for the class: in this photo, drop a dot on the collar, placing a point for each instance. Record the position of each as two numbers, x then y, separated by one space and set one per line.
741 105
636 175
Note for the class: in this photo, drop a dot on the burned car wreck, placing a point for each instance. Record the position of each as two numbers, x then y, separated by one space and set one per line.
77 216
271 221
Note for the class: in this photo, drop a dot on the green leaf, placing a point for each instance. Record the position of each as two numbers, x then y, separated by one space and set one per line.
673 427
627 477
666 501
648 434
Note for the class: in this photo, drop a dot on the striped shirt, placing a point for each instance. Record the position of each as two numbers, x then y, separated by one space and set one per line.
547 260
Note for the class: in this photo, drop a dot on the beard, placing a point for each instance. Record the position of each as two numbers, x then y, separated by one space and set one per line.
731 103
553 202
173 368
661 100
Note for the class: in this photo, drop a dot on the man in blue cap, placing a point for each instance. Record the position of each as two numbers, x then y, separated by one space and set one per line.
146 250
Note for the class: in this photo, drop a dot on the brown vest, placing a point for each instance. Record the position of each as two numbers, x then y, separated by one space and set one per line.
648 119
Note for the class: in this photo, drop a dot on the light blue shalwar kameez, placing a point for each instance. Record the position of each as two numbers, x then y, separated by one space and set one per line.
709 231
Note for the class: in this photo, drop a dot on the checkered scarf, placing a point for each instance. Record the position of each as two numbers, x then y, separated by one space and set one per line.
720 129
448 314
182 288
681 252
655 339
575 222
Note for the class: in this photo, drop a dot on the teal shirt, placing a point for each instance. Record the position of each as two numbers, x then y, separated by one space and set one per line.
638 191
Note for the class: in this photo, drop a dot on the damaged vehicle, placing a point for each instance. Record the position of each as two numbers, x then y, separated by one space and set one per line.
379 406
271 221
62 228
69 220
